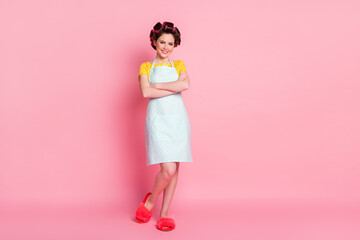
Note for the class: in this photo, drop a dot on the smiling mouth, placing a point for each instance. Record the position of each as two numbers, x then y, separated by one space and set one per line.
164 52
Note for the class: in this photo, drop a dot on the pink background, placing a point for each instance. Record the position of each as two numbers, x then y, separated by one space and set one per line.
273 104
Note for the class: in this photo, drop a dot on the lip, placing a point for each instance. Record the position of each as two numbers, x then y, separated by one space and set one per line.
164 52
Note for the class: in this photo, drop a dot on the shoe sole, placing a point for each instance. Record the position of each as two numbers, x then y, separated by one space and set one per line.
141 221
166 229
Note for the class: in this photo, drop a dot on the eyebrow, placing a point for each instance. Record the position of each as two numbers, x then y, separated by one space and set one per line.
164 41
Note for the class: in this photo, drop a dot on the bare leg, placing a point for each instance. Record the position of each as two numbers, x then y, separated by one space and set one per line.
169 193
168 170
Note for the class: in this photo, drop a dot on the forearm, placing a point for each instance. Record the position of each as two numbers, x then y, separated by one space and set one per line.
175 86
152 92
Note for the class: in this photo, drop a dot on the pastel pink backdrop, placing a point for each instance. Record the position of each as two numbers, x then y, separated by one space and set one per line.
273 103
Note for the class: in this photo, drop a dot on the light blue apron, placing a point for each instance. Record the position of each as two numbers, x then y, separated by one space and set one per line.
167 126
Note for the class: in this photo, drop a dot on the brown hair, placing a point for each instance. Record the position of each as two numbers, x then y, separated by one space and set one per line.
165 27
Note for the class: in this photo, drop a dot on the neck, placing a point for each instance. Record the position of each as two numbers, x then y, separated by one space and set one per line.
158 59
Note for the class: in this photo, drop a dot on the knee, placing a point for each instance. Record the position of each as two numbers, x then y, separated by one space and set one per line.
168 173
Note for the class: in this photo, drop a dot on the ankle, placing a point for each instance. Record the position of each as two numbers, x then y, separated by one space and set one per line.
148 204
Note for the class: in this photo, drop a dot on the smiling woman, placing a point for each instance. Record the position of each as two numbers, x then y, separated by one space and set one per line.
166 27
167 126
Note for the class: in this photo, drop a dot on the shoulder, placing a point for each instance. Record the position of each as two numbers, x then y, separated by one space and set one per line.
179 62
144 68
145 65
180 66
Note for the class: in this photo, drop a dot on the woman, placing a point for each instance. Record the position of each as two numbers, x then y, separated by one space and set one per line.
167 126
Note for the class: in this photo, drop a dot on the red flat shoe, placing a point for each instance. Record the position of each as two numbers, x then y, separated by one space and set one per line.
143 214
165 224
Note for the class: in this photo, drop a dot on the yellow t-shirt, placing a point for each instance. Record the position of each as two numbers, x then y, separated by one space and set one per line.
146 67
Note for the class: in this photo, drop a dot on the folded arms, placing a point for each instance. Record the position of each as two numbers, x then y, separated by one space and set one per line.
156 90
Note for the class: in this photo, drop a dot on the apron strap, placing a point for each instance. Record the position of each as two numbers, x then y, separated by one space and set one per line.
154 64
151 69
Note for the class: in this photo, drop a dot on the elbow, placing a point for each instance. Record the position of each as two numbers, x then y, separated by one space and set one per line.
145 94
186 85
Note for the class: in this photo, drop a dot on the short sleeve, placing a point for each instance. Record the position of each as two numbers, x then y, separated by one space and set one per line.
180 66
144 69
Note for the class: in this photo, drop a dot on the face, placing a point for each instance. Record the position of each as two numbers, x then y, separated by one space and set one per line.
165 45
